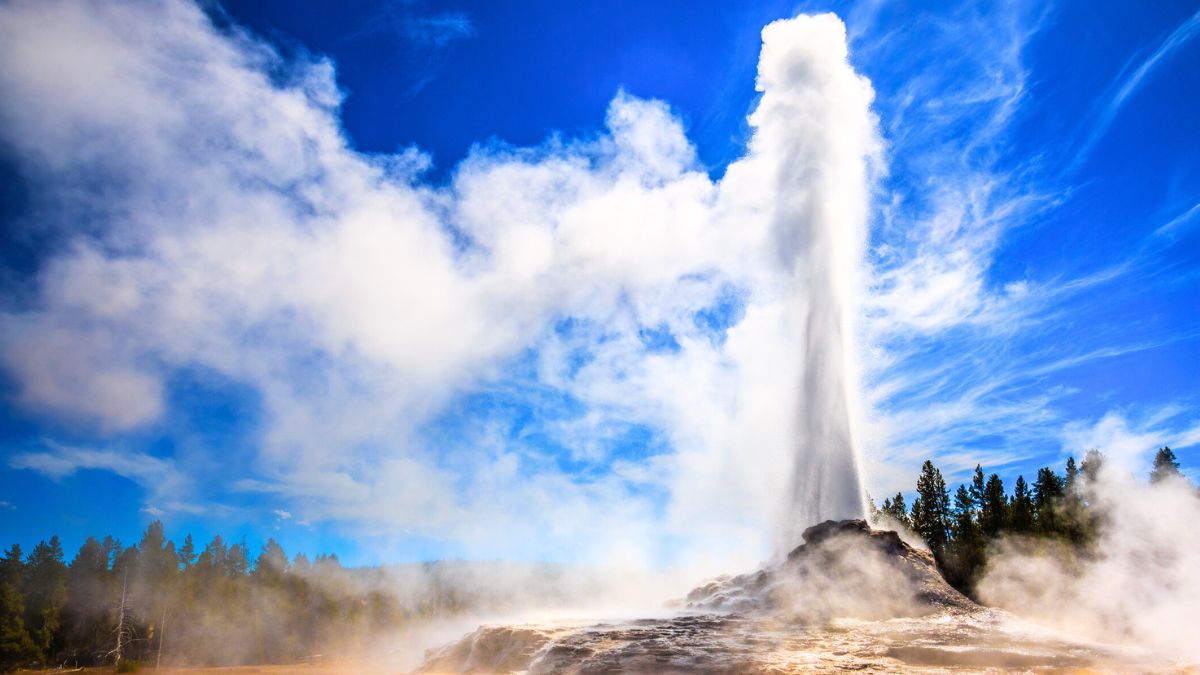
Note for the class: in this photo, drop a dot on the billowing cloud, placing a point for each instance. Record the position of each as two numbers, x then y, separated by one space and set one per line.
213 216
1129 439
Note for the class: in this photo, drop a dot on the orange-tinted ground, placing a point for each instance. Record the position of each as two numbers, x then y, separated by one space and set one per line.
338 668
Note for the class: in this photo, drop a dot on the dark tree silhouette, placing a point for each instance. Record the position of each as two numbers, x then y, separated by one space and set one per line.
1165 466
1090 467
932 518
993 509
1021 521
897 509
966 546
1047 491
44 588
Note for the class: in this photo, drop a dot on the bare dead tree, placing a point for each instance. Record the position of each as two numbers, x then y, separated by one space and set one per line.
124 628
162 635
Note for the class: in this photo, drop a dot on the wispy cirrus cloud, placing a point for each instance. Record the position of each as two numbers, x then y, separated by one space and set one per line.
1179 222
422 36
437 30
937 318
962 354
1128 82
406 20
164 484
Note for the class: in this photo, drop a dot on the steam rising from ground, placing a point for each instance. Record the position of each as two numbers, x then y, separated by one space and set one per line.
1140 586
446 600
850 599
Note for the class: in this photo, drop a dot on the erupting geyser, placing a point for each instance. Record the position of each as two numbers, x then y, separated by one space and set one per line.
849 597
814 134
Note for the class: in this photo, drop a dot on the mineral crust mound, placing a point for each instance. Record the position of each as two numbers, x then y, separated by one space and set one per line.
849 598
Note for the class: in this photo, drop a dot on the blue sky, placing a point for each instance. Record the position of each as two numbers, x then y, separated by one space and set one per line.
175 348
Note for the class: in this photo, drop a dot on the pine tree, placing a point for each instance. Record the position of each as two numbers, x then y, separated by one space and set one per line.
1072 474
900 510
978 487
964 512
272 563
1021 520
994 508
211 562
270 573
159 560
110 592
917 514
1090 467
12 567
966 545
894 509
237 560
44 590
1076 521
85 615
934 516
1046 494
16 647
187 553
1165 466
158 567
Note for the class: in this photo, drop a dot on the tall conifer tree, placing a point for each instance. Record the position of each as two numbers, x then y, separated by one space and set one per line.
933 520
1021 521
1165 466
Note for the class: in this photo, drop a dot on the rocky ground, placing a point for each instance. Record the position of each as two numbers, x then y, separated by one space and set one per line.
849 598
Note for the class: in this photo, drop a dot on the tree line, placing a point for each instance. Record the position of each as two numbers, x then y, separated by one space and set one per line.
212 606
959 529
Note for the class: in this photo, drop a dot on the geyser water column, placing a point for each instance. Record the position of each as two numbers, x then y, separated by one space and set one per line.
814 135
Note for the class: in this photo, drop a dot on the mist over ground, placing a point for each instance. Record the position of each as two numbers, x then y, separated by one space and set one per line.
1138 584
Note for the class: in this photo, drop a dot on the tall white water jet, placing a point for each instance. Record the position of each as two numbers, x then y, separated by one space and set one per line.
814 134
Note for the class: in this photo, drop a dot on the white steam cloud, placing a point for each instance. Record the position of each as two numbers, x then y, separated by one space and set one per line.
813 135
1138 587
213 216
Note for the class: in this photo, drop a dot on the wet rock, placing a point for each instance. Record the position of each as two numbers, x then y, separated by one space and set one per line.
886 540
843 568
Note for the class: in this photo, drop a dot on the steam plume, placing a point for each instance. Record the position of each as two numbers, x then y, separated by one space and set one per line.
1139 585
814 133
